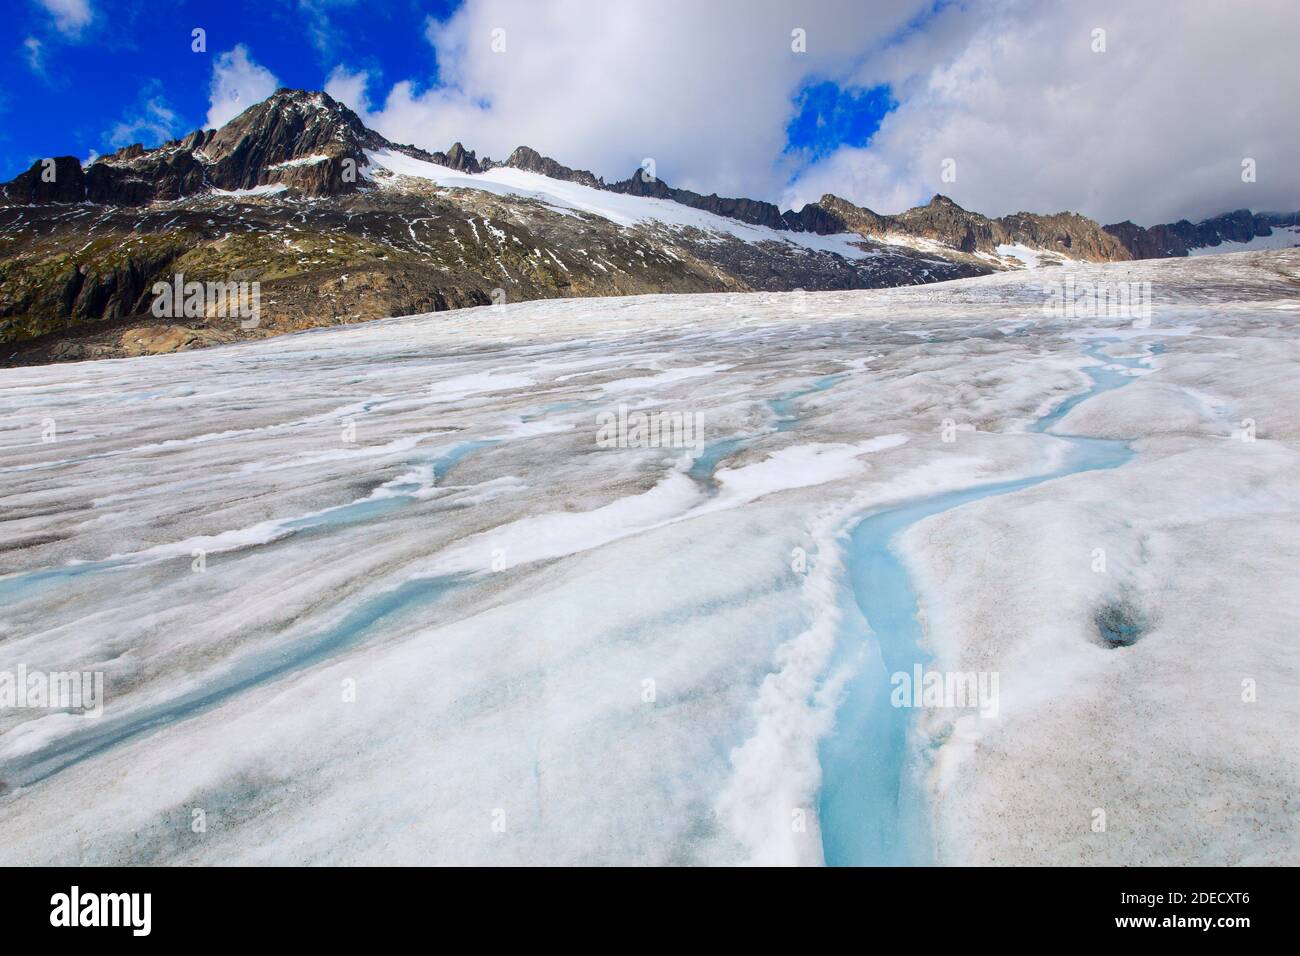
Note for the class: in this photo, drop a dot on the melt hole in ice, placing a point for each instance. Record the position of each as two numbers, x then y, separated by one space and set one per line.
1120 623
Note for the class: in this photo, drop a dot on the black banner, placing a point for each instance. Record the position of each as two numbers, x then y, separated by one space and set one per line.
331 905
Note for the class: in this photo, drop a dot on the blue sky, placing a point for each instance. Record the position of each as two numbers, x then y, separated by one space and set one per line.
86 81
1016 98
830 116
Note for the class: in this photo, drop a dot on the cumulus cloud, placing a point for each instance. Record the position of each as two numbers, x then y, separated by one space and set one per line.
705 89
237 83
1154 128
1036 117
70 16
349 88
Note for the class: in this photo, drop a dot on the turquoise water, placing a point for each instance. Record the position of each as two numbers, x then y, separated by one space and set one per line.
28 584
714 453
104 733
400 494
783 407
707 461
871 806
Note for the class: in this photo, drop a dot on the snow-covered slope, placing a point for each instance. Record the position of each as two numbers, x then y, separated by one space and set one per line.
618 208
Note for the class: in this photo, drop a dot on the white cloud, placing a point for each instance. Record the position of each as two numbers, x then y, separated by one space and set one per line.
32 49
1153 129
237 83
70 16
706 89
860 175
153 123
317 25
349 89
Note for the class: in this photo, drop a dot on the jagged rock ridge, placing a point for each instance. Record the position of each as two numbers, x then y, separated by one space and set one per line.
1179 238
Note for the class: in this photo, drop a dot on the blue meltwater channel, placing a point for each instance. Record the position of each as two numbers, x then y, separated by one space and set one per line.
872 807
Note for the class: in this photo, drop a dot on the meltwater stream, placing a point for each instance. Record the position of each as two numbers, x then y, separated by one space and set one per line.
786 418
872 809
258 668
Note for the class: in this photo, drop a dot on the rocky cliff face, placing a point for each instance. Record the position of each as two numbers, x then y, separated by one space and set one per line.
1068 233
56 180
831 214
288 138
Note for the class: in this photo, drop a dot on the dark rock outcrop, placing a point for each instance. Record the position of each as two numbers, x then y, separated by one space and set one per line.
458 157
857 219
58 180
1177 238
532 161
942 220
814 218
168 172
293 137
752 211
1142 243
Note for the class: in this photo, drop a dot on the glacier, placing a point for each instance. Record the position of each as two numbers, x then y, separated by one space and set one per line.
374 594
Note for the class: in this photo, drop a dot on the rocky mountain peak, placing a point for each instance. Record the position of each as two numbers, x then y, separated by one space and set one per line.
857 219
525 157
290 127
942 220
640 183
458 157
530 160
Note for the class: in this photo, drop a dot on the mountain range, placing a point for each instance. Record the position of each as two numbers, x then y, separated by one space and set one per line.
338 224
